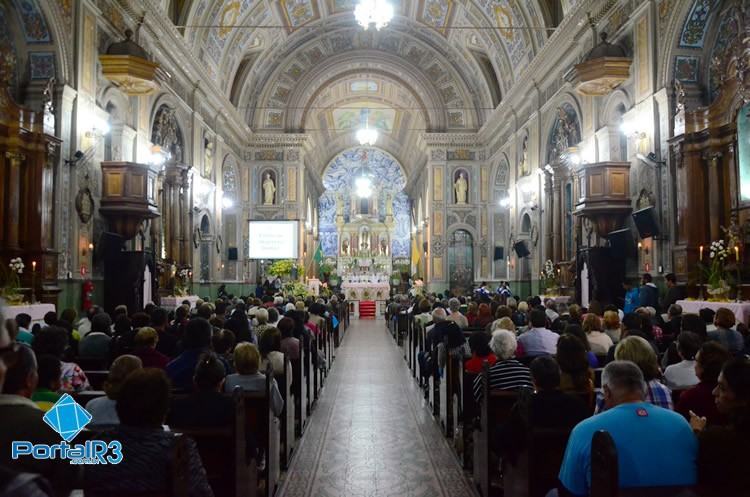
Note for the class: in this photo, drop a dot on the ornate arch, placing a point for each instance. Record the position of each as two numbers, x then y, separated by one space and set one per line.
564 130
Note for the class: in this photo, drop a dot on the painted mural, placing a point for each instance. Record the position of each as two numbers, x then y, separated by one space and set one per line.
388 177
34 26
694 30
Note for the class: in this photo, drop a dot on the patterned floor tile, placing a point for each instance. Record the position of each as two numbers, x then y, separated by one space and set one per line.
371 434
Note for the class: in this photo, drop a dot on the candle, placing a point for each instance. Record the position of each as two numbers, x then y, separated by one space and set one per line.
640 245
33 266
737 253
701 253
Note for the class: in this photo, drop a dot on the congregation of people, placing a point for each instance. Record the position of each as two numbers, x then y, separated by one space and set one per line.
671 388
166 370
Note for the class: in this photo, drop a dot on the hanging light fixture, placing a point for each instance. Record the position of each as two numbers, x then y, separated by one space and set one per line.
366 136
363 180
376 13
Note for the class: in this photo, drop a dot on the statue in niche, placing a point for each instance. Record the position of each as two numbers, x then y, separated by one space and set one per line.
208 159
345 247
339 206
462 188
525 167
166 133
269 189
383 246
389 205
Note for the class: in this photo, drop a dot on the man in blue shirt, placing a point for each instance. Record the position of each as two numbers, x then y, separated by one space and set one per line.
538 340
655 446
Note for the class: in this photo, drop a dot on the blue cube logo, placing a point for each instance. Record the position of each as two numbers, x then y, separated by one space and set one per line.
67 418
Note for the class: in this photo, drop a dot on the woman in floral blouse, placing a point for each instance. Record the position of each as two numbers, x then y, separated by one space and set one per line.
54 340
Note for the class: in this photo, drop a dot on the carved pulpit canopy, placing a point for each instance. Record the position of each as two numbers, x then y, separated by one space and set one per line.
606 67
126 64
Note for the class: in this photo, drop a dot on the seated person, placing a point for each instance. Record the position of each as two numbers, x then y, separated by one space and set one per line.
538 340
54 340
700 399
638 351
576 375
269 346
444 330
145 343
479 343
96 344
655 446
22 418
547 407
23 333
103 409
147 449
50 371
600 342
195 341
206 407
507 373
682 375
724 334
247 362
289 344
722 462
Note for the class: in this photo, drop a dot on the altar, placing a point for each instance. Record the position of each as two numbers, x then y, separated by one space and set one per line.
36 311
741 310
171 303
366 291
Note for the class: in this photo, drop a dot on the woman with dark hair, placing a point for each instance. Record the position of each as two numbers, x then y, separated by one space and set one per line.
240 326
576 375
479 343
577 331
289 344
206 407
484 316
54 340
269 347
146 448
722 450
700 399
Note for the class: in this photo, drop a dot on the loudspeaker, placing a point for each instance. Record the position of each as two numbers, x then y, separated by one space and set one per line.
521 249
232 253
499 254
621 243
645 222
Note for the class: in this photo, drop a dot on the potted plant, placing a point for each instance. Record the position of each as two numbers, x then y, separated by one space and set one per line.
333 278
396 278
11 291
325 270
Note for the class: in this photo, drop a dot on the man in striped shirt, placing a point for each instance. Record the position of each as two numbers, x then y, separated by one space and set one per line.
507 373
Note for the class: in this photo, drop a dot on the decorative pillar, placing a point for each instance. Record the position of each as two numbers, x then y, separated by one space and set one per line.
549 210
12 210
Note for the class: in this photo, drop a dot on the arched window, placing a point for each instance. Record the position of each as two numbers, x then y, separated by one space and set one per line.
526 224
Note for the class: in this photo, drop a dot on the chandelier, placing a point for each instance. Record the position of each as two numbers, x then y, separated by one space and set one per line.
367 136
373 12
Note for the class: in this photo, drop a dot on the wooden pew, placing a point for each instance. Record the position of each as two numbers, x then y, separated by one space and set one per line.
537 468
494 409
229 469
259 419
96 378
447 389
465 412
434 382
287 420
82 398
308 372
299 391
605 476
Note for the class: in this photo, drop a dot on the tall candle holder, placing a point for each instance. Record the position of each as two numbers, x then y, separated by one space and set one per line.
700 275
738 298
33 282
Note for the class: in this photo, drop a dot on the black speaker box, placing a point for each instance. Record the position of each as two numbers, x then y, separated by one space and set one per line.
645 222
621 243
521 249
232 253
499 254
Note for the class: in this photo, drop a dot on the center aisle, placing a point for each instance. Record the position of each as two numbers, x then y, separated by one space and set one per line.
370 435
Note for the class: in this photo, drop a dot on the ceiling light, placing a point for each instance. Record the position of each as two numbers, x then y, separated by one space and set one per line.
377 13
367 136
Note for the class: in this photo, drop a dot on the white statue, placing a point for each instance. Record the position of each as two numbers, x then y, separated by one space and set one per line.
269 189
389 205
461 187
339 205
208 160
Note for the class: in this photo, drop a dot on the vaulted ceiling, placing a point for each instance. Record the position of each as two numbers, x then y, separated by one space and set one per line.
305 65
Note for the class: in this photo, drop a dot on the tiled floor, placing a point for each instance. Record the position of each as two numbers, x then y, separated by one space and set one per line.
370 434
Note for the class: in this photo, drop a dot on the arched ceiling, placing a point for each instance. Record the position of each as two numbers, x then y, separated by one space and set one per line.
289 65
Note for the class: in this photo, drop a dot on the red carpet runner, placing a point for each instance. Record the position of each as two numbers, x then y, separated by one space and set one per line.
367 309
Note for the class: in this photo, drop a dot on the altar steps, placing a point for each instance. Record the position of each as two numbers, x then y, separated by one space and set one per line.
367 309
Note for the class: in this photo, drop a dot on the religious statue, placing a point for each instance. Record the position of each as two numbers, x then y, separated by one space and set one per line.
383 246
389 205
269 189
339 205
208 159
524 167
461 187
345 247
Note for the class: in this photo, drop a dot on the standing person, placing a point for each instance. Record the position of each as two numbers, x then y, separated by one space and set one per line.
648 296
674 293
632 297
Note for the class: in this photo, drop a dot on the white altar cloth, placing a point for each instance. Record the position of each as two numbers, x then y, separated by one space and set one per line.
171 303
741 310
36 311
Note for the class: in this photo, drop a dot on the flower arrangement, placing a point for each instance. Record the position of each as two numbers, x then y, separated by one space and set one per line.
296 290
718 256
550 277
11 290
182 277
282 267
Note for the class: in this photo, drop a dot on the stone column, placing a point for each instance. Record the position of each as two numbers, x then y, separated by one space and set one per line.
13 206
558 214
549 206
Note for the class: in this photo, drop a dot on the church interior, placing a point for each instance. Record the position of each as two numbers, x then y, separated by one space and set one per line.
375 247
